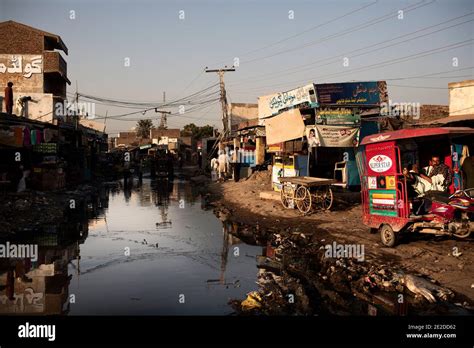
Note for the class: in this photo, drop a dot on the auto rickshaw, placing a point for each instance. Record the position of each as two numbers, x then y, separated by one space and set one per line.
388 204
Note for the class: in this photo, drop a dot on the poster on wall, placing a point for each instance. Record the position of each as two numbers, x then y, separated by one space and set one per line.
337 136
312 136
371 93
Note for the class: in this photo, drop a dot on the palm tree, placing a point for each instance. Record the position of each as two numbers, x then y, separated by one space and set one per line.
144 127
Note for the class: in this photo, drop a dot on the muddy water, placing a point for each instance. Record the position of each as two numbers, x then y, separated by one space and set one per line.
147 250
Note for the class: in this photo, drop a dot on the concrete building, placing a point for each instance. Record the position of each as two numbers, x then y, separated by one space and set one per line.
461 98
168 137
31 59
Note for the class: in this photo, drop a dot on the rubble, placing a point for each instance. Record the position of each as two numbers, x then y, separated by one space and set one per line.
322 285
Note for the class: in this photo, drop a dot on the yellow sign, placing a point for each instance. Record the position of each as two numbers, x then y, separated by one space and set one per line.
390 182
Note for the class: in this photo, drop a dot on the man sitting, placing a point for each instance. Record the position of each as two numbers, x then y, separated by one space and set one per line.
440 176
428 186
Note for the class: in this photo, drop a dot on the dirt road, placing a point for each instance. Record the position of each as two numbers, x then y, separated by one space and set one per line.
424 255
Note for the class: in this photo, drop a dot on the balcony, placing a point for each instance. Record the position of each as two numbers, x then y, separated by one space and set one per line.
54 63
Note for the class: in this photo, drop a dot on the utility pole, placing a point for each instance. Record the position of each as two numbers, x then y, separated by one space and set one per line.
163 114
225 116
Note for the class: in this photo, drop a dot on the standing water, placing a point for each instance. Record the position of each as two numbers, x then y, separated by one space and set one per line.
150 250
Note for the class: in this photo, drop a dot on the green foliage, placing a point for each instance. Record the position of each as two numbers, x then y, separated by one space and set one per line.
197 132
144 127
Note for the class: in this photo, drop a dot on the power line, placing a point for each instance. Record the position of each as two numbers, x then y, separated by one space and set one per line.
382 64
306 30
335 58
346 31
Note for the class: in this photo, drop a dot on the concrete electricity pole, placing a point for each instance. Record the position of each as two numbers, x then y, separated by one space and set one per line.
225 116
163 114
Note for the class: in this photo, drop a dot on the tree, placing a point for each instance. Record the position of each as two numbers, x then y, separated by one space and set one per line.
144 127
197 132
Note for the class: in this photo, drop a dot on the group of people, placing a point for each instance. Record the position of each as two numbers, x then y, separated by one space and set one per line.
436 176
227 162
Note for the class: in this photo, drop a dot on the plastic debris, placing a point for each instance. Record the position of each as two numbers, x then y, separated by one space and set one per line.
252 301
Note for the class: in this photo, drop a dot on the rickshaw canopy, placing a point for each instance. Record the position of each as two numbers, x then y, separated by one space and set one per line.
415 133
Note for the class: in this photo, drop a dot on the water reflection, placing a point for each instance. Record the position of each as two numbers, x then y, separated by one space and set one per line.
175 248
41 287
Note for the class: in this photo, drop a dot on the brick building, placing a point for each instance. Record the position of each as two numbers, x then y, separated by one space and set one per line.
31 59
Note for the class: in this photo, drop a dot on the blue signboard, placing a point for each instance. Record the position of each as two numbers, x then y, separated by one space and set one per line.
371 93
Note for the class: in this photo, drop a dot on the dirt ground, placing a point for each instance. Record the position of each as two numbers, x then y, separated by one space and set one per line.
423 255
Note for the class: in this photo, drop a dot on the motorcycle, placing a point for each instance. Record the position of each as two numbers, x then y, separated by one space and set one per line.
451 215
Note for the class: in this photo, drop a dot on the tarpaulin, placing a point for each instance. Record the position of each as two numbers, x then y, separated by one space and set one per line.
336 136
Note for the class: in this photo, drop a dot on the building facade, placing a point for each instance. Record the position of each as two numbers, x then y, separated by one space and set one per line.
32 60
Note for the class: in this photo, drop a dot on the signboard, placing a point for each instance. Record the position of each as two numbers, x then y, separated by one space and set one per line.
337 136
383 202
335 116
381 159
272 104
287 126
371 93
275 148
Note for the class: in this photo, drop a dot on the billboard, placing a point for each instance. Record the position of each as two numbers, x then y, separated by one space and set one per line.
337 136
371 93
272 104
335 116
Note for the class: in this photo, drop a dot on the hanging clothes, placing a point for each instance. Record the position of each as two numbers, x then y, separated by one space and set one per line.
18 134
26 137
33 137
39 137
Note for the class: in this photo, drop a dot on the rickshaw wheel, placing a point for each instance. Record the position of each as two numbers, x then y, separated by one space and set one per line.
388 236
287 195
303 199
324 197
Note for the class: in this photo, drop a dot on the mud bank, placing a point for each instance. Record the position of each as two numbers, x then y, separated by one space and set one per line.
348 285
29 210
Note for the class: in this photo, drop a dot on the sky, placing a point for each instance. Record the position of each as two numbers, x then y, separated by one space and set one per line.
278 45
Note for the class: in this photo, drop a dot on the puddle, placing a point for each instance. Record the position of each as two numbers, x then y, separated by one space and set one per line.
149 250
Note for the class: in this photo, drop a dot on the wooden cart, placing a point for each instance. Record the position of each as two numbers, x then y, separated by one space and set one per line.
306 193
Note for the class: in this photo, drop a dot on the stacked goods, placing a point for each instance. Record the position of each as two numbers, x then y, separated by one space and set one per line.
45 148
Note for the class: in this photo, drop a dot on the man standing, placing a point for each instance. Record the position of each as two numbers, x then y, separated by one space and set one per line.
223 164
9 98
236 164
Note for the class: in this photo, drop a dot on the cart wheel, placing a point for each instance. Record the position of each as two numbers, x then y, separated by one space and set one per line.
287 196
388 236
303 199
324 197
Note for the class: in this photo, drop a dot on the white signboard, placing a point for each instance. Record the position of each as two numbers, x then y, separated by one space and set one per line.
271 104
380 163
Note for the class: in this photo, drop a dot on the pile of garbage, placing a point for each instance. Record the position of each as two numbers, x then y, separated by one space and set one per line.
24 211
299 269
